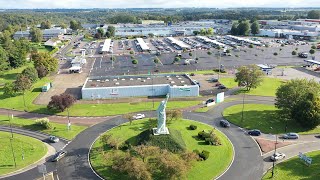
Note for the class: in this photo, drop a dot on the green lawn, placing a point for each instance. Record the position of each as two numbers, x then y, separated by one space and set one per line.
228 82
262 117
31 149
295 169
10 75
268 87
41 47
122 108
220 156
59 129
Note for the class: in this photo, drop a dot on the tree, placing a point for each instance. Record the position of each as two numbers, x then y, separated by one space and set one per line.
134 61
210 31
63 25
111 30
190 54
97 36
9 89
151 35
314 14
45 60
313 47
289 95
61 102
156 60
244 28
4 60
31 73
129 117
134 167
234 29
75 25
294 53
174 114
45 25
42 71
22 84
177 59
203 31
249 76
101 32
312 51
145 151
36 35
255 28
196 33
307 112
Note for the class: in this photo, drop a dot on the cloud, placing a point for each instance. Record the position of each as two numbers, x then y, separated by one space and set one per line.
30 4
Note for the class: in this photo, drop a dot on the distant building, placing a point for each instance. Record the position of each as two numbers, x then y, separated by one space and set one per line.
285 33
47 33
52 42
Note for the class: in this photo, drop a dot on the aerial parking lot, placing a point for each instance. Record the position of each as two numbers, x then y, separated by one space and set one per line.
197 55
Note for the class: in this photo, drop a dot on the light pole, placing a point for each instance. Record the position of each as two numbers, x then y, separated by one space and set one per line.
219 65
244 94
11 139
275 151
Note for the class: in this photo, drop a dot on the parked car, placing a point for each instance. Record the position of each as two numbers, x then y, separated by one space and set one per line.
277 156
290 136
224 123
254 132
222 87
58 156
139 116
209 101
214 80
303 55
53 139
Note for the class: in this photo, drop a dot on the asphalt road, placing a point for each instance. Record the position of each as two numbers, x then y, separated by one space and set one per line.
33 173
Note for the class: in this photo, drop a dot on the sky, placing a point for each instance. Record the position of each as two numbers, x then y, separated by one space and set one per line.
51 4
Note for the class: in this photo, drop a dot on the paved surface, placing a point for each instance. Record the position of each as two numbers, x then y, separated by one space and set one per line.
32 171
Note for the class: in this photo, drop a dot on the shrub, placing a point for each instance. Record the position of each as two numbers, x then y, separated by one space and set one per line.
280 49
237 55
192 74
134 61
177 59
313 47
209 53
312 51
203 135
132 57
294 53
221 70
204 155
275 53
43 123
125 146
193 127
196 151
131 52
213 141
197 59
282 45
190 54
9 89
250 46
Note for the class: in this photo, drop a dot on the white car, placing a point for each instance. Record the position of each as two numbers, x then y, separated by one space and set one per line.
53 139
277 156
139 116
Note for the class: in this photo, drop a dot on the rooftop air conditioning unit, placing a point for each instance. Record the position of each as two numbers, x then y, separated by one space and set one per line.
115 80
131 79
172 82
117 83
122 79
107 80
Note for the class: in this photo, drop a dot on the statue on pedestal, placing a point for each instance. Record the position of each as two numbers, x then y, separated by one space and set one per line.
161 112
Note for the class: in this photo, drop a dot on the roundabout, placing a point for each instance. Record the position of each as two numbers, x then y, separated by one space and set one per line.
219 159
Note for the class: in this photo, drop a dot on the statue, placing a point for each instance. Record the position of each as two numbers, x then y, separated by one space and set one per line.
161 112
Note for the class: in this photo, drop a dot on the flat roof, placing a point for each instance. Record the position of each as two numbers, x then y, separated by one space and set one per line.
122 81
142 44
263 66
106 45
177 42
313 62
206 39
244 39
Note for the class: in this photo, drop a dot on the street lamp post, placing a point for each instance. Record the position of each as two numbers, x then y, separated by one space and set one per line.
275 151
244 94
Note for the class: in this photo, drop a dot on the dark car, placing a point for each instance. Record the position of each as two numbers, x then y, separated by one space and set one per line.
222 87
53 139
214 80
209 101
303 55
224 123
58 156
254 132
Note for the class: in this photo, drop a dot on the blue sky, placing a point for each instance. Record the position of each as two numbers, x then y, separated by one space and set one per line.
29 4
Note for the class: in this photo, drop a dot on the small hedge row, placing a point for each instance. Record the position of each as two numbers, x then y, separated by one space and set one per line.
204 155
193 127
209 137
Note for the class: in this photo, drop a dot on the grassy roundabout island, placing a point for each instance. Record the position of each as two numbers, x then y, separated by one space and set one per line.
25 147
180 145
296 169
262 117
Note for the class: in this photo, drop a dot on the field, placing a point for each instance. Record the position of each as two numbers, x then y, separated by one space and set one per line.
268 87
41 47
296 169
26 150
59 130
220 156
262 117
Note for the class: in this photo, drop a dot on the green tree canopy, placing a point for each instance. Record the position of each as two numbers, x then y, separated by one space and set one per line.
36 35
244 28
31 73
255 28
249 76
314 14
234 29
44 59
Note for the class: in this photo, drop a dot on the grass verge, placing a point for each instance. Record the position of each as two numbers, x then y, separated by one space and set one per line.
59 130
219 160
296 169
262 117
27 150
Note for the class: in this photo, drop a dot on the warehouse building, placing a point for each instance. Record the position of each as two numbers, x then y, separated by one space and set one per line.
137 86
46 33
107 47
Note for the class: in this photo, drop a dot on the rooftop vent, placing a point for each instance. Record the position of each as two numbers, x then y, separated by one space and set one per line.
107 80
139 78
169 79
168 76
98 80
131 79
143 80
122 79
172 82
117 83
148 78
182 81
90 80
179 78
115 80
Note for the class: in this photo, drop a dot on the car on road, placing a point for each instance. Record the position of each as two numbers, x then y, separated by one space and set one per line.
303 55
254 132
58 156
290 136
222 87
214 80
224 123
53 139
277 156
139 116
